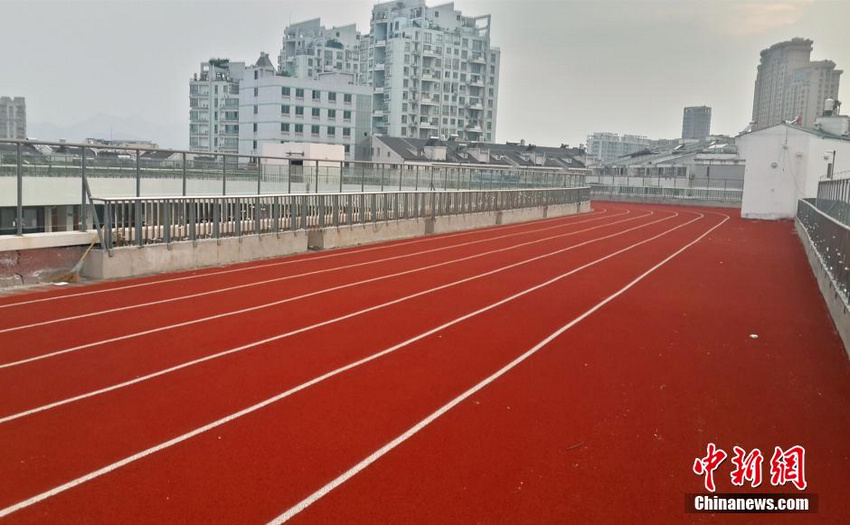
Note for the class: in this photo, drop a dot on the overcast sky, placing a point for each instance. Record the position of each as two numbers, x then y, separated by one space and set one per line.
568 67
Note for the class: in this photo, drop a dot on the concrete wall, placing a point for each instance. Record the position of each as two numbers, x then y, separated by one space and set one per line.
668 201
161 258
783 165
838 309
34 266
187 255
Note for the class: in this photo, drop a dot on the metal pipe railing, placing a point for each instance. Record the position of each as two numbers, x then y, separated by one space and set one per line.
830 238
181 172
158 220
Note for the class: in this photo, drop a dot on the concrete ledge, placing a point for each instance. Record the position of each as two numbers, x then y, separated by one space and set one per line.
356 234
837 307
35 241
186 255
661 200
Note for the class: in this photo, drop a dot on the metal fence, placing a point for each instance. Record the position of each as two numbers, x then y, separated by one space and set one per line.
673 188
140 221
831 240
77 171
834 199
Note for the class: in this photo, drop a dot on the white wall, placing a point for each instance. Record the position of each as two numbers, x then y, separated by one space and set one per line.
784 164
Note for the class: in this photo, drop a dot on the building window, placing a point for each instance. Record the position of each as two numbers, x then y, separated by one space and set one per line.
299 128
314 130
347 148
346 132
299 93
256 90
255 127
255 145
331 96
284 127
316 113
346 98
346 115
332 114
284 109
284 91
299 111
317 95
331 131
256 109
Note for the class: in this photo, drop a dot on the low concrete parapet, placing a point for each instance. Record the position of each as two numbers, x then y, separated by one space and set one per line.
133 261
186 255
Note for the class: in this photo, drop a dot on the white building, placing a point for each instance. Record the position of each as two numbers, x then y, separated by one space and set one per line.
784 164
309 49
13 118
214 106
603 147
275 109
789 85
433 71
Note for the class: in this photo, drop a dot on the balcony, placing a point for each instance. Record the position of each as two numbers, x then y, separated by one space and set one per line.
429 100
380 43
379 66
476 82
479 58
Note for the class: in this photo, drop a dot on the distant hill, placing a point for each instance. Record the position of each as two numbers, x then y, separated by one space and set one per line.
173 135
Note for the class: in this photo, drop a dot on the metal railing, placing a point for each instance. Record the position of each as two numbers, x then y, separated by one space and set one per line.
834 199
831 240
115 171
674 188
141 221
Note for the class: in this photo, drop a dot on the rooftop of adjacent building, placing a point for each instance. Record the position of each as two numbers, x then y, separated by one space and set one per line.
517 154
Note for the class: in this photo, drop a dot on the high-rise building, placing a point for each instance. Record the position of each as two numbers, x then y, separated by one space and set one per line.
214 106
696 123
790 86
603 147
433 72
274 108
309 49
13 118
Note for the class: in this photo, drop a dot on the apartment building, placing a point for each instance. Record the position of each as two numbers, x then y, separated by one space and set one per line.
696 123
603 147
13 118
331 109
433 71
309 50
789 85
214 106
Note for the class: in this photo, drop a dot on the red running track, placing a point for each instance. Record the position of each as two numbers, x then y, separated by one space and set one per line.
565 370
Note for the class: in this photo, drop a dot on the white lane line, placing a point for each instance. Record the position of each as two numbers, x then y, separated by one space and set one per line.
285 335
375 456
285 278
253 408
298 297
341 253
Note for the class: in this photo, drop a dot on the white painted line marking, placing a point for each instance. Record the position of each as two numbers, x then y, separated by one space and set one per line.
375 456
253 408
284 278
298 297
210 357
343 252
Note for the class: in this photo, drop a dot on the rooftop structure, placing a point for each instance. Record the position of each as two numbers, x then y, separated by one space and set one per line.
13 118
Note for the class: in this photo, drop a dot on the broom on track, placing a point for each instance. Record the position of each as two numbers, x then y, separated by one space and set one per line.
73 276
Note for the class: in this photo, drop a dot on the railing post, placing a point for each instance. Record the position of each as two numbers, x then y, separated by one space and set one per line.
138 175
417 179
259 178
382 177
83 210
223 175
107 224
184 173
19 175
317 176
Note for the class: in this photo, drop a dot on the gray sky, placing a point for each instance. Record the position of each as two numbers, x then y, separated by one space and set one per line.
568 67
